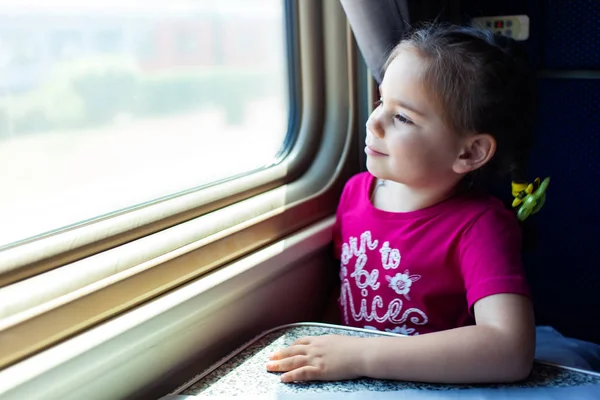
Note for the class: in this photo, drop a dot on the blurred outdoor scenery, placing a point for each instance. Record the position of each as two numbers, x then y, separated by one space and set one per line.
108 104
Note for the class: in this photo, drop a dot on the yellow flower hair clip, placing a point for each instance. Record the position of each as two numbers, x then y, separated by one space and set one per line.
529 197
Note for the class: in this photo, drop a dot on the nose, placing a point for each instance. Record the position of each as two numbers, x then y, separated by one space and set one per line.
374 125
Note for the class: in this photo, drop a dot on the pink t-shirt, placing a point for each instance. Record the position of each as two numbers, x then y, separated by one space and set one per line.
422 271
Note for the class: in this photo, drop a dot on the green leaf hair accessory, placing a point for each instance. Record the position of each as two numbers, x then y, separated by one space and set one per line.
529 197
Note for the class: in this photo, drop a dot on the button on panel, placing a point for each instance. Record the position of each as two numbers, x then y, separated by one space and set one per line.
515 26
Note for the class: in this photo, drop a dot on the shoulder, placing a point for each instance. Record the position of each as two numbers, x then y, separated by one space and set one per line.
488 213
466 215
362 179
492 232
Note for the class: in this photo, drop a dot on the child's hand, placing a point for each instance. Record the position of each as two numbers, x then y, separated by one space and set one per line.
321 358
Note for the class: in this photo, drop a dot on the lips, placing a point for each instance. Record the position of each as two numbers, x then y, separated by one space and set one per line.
372 152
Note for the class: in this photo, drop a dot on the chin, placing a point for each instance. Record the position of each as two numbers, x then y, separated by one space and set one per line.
378 173
373 170
381 177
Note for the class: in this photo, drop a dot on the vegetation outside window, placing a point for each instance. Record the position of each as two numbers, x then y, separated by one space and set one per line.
113 104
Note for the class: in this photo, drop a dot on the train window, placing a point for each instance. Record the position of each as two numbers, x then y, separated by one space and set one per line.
273 161
111 104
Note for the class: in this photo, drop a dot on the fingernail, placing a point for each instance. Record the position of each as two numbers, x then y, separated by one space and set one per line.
270 356
270 365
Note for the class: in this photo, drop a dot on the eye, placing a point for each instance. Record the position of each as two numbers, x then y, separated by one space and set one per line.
378 103
402 119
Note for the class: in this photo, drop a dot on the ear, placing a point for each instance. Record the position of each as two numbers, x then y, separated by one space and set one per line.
477 151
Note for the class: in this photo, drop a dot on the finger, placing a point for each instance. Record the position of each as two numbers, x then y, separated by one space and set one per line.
294 350
287 364
302 340
307 373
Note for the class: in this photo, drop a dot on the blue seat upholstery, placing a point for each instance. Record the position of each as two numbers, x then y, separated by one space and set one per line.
564 267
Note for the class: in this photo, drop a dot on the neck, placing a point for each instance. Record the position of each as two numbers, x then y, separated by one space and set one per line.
397 197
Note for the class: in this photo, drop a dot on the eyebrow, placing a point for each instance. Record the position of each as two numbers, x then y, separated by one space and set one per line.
406 105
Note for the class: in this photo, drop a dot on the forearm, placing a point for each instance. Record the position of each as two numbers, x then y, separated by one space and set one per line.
468 354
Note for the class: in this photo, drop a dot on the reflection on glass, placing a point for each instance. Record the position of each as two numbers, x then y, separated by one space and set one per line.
109 104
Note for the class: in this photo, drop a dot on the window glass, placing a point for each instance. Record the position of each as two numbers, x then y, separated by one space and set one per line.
105 105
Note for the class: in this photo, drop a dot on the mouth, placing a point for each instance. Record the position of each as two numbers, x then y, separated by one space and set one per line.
372 152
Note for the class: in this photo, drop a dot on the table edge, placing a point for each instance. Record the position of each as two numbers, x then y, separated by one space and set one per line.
260 336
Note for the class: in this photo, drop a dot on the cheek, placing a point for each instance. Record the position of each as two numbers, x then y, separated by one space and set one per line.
421 154
412 148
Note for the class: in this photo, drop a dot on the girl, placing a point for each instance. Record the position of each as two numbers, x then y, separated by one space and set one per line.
424 251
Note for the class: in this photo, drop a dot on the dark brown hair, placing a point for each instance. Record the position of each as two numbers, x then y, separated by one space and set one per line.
483 84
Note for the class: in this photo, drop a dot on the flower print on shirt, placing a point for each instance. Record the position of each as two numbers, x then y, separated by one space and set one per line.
400 330
401 283
403 330
364 297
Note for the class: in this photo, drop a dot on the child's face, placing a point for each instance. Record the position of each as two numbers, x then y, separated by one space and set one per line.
407 139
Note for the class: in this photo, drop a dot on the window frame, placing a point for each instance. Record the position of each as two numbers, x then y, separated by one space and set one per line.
44 252
220 230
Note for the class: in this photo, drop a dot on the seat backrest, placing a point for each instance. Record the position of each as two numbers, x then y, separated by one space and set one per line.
564 266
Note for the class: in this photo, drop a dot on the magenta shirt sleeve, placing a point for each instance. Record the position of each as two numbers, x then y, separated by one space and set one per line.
490 256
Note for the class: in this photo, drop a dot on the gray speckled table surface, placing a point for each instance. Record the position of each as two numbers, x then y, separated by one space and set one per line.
243 372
